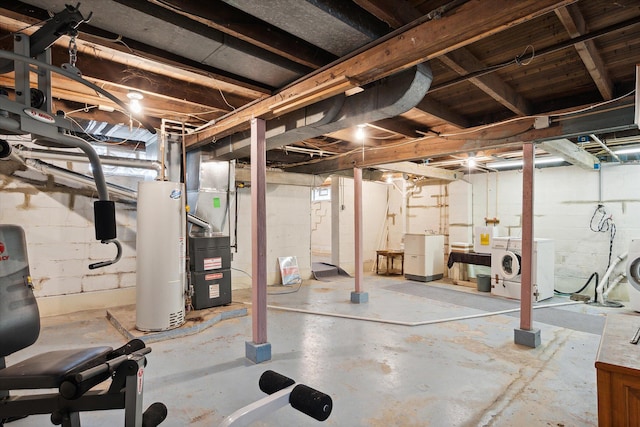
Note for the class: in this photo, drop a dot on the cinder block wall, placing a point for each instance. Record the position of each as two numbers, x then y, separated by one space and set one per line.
288 232
61 244
565 200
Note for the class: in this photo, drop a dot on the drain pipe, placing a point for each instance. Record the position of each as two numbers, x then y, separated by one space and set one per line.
616 281
603 281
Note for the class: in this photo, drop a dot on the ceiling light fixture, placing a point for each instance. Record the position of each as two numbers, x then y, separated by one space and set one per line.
505 164
471 160
360 133
633 150
134 101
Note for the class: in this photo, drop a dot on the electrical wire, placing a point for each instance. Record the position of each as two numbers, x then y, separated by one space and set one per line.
275 293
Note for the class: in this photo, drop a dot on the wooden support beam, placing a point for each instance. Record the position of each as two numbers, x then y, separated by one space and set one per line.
357 230
526 292
574 23
464 62
613 117
571 153
472 21
258 232
421 170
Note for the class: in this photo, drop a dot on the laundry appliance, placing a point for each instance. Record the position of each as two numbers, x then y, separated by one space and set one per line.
506 264
633 274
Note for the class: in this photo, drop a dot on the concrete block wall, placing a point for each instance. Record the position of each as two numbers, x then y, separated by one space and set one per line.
565 199
374 207
61 244
288 232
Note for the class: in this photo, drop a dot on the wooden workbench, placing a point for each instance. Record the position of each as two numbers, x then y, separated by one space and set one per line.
618 372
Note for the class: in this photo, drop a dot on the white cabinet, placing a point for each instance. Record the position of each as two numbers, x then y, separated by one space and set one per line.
423 257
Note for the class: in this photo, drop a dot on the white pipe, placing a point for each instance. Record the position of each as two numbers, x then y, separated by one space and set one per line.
78 177
616 281
603 281
605 147
33 153
421 323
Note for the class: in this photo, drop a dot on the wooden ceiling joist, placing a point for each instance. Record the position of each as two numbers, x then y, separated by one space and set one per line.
471 22
575 25
463 62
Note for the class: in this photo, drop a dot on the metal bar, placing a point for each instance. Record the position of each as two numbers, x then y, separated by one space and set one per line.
526 303
357 200
605 147
259 409
259 230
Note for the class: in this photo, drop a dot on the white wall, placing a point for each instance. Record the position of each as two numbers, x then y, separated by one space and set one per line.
565 199
61 244
375 196
288 232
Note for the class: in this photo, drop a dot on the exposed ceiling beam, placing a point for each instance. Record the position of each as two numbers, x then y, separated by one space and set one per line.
613 117
114 47
464 62
472 21
421 170
430 106
196 27
571 153
574 23
227 19
461 61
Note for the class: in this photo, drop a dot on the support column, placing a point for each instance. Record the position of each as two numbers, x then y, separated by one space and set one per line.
526 335
358 296
259 350
336 208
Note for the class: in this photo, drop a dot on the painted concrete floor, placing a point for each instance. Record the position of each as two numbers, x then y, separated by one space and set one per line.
455 373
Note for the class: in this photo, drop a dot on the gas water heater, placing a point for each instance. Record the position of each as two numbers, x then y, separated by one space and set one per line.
161 255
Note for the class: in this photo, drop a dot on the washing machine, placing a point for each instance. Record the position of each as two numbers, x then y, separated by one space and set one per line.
633 274
506 265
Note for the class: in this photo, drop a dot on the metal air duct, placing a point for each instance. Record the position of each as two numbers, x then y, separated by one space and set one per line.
386 98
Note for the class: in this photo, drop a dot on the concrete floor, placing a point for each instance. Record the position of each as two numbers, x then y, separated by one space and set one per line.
454 373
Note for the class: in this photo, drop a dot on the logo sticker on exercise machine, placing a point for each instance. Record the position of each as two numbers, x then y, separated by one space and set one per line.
2 249
140 379
39 115
175 194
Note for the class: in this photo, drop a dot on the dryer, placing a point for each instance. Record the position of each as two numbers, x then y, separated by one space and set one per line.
506 267
633 274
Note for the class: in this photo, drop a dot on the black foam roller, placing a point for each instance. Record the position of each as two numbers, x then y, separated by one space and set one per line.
104 212
311 402
271 381
154 415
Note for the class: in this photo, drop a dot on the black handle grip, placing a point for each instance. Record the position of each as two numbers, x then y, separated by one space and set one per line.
271 381
311 402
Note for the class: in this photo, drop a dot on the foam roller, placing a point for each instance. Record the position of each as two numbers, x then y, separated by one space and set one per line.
311 402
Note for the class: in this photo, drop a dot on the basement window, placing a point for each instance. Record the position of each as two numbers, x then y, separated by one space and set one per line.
320 194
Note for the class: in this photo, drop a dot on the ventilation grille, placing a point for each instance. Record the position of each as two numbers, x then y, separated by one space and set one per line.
176 319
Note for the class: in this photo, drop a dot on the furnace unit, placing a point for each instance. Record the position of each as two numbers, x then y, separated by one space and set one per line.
210 270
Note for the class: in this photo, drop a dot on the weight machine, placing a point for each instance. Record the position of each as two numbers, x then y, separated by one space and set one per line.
76 372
